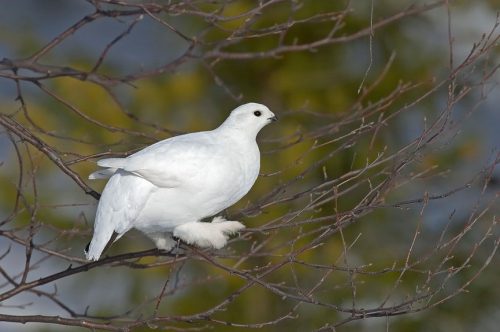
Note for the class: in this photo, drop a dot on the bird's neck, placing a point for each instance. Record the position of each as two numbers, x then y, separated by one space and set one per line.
230 131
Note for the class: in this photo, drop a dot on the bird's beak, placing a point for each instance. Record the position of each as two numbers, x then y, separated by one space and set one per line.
274 118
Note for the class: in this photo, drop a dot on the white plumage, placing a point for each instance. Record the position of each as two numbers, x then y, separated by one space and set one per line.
168 187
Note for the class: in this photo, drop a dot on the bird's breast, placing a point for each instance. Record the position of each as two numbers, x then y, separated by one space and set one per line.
226 178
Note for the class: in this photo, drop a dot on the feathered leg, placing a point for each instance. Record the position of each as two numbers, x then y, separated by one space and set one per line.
206 235
162 240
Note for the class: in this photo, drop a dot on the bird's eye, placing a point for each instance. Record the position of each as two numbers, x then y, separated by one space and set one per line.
257 113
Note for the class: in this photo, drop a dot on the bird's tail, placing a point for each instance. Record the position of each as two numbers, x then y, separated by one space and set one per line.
111 162
111 165
102 174
103 237
94 257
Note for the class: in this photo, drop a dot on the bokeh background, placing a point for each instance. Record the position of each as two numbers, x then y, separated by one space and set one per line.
309 90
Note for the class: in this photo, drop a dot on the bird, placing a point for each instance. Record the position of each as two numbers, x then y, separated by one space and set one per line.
167 189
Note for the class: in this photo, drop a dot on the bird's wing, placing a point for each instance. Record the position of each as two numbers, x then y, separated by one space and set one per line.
123 198
172 162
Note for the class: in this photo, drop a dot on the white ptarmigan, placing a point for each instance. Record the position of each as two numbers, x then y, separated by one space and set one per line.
167 188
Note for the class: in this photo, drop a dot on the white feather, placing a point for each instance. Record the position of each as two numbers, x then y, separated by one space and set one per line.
102 174
168 187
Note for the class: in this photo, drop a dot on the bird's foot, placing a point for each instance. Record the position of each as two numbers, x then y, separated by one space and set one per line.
207 235
228 227
163 240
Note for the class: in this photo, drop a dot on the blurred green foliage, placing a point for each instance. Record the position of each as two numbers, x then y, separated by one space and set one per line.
325 81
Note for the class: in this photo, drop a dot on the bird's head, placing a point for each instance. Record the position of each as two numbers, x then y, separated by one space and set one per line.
249 118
